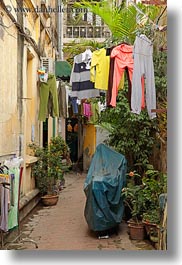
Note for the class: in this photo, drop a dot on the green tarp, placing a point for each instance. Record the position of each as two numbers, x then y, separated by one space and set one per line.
105 179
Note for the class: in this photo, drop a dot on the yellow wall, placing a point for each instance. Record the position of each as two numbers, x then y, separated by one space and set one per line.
16 130
89 145
9 129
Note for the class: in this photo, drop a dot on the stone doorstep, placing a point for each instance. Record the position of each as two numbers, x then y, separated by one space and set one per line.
28 202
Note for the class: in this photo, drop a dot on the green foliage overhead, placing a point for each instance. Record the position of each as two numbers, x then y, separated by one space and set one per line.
74 48
123 21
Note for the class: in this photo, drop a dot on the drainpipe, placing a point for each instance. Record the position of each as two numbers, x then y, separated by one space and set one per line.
60 30
20 55
61 120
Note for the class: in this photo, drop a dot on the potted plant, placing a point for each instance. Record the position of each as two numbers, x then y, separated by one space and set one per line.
53 162
133 198
143 199
155 188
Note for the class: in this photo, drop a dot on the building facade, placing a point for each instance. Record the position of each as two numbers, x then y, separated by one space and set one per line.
28 38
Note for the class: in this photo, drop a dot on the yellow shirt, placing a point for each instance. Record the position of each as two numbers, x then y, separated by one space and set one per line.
99 71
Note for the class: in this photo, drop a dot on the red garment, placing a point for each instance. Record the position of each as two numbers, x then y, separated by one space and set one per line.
123 55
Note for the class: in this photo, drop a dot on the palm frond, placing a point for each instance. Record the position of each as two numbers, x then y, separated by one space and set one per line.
122 21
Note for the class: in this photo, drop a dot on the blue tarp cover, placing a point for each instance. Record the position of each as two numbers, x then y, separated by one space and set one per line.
105 179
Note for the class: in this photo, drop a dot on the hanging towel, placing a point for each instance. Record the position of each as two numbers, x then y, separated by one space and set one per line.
13 212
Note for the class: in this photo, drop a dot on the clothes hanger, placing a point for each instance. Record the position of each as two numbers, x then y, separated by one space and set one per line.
142 36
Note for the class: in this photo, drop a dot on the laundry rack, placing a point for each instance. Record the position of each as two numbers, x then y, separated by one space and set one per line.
18 241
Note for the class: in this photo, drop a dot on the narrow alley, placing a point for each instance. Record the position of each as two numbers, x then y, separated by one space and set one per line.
63 227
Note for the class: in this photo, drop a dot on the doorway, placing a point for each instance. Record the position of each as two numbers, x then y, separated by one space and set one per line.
72 137
45 133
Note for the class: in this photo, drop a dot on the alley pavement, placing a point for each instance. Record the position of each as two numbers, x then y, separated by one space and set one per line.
63 226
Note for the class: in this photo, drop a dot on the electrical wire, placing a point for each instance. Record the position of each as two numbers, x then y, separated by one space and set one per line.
5 26
161 15
10 34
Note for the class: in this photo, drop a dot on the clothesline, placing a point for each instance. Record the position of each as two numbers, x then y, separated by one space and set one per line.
106 70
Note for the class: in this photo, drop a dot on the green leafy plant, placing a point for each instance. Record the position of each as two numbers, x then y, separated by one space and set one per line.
143 198
133 196
50 168
152 216
155 184
132 135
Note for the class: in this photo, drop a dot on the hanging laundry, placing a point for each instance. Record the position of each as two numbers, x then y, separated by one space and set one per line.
100 69
46 90
14 172
87 110
95 112
43 76
62 100
111 73
4 195
143 65
82 87
74 104
68 94
123 58
13 213
110 79
123 55
101 106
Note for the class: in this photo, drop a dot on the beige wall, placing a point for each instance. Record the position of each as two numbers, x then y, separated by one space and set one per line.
16 129
9 128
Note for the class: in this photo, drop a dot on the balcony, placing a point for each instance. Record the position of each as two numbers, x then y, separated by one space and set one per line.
92 32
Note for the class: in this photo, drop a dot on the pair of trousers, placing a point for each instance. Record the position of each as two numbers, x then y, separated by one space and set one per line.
143 65
46 89
123 55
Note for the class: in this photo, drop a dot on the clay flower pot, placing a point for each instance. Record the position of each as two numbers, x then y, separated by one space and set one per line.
136 231
50 200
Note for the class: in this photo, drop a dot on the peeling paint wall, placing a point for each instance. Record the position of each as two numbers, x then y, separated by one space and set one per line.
9 123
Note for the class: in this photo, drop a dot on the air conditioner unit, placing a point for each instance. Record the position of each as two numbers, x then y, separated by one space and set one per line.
49 64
